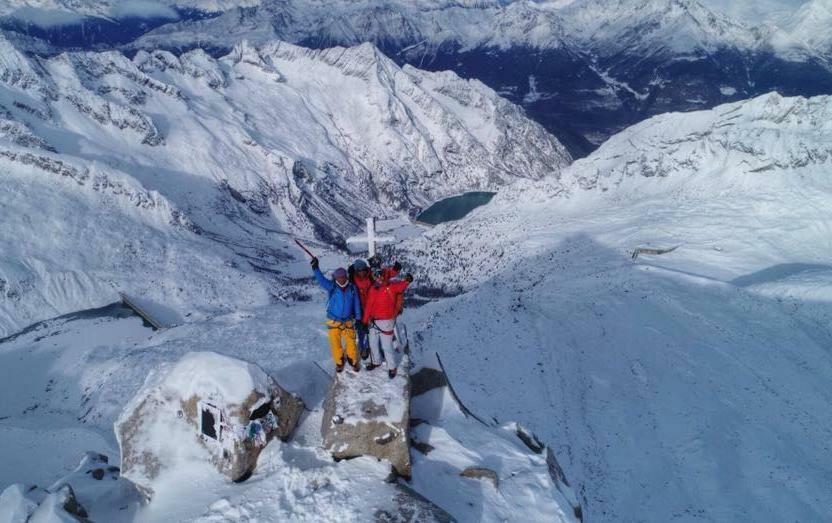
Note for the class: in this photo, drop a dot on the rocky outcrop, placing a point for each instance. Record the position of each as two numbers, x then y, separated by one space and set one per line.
555 470
412 506
205 407
368 414
481 473
19 503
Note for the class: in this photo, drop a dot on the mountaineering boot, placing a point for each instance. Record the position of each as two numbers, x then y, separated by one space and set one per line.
340 366
365 353
370 366
356 366
392 373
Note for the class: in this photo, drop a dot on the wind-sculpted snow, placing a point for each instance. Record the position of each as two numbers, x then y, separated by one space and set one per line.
697 371
190 153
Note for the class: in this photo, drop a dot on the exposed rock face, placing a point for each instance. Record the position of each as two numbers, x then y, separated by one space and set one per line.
555 470
414 507
481 473
20 504
368 414
205 407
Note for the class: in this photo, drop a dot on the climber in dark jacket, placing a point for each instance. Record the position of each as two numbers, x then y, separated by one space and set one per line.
343 309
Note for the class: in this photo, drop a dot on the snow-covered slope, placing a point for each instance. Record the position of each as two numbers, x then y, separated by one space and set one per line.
63 394
806 32
686 385
649 27
182 176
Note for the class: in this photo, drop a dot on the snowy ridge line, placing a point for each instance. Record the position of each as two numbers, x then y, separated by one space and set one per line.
660 379
465 410
603 25
650 250
141 312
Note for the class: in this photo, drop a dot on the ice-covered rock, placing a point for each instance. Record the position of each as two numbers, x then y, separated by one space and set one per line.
412 506
18 502
204 408
22 504
368 414
59 506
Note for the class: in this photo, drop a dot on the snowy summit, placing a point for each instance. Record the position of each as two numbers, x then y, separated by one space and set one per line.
435 260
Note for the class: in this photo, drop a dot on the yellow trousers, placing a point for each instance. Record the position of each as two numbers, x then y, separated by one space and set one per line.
341 338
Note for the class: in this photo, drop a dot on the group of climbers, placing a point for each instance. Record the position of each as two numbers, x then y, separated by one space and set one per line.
361 312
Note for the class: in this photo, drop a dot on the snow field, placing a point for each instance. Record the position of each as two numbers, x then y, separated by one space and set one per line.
677 386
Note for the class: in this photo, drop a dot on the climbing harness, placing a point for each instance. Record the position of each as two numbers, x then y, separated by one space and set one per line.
340 325
386 333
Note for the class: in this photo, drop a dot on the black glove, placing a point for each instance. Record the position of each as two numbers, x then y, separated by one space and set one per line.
314 263
397 266
408 278
374 261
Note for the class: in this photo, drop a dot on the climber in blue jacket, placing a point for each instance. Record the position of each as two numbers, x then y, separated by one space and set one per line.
343 310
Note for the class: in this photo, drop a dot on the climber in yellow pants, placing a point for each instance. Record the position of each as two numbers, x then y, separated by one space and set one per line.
341 338
343 308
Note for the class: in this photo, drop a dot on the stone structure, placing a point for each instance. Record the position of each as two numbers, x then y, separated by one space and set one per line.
205 407
368 414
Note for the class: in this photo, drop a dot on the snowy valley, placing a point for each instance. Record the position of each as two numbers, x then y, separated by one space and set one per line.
641 334
192 172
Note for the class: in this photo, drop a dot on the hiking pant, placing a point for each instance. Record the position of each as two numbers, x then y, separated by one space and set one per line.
363 337
381 338
341 338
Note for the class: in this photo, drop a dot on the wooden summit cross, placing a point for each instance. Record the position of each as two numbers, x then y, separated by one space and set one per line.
371 239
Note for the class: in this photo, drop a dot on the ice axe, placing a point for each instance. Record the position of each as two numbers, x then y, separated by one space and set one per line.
307 251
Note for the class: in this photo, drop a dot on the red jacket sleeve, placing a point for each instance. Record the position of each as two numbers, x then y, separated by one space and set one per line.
369 306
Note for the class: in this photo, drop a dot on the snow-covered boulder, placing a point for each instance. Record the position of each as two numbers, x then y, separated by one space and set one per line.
60 506
21 504
412 506
18 502
204 408
368 414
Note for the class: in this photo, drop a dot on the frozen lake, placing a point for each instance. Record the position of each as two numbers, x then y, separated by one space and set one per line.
454 208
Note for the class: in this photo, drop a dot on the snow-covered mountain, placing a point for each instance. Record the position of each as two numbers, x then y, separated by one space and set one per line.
684 385
584 69
804 33
217 160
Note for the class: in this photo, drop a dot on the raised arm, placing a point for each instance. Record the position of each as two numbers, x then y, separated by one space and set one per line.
325 283
401 285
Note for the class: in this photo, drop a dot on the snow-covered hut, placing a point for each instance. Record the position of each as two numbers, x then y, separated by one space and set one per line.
206 407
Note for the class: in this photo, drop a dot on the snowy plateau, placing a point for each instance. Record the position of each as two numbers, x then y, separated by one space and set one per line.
640 334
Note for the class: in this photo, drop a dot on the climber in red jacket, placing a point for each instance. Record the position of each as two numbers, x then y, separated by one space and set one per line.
380 316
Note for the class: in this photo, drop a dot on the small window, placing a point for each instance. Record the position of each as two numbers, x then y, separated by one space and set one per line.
209 421
261 411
